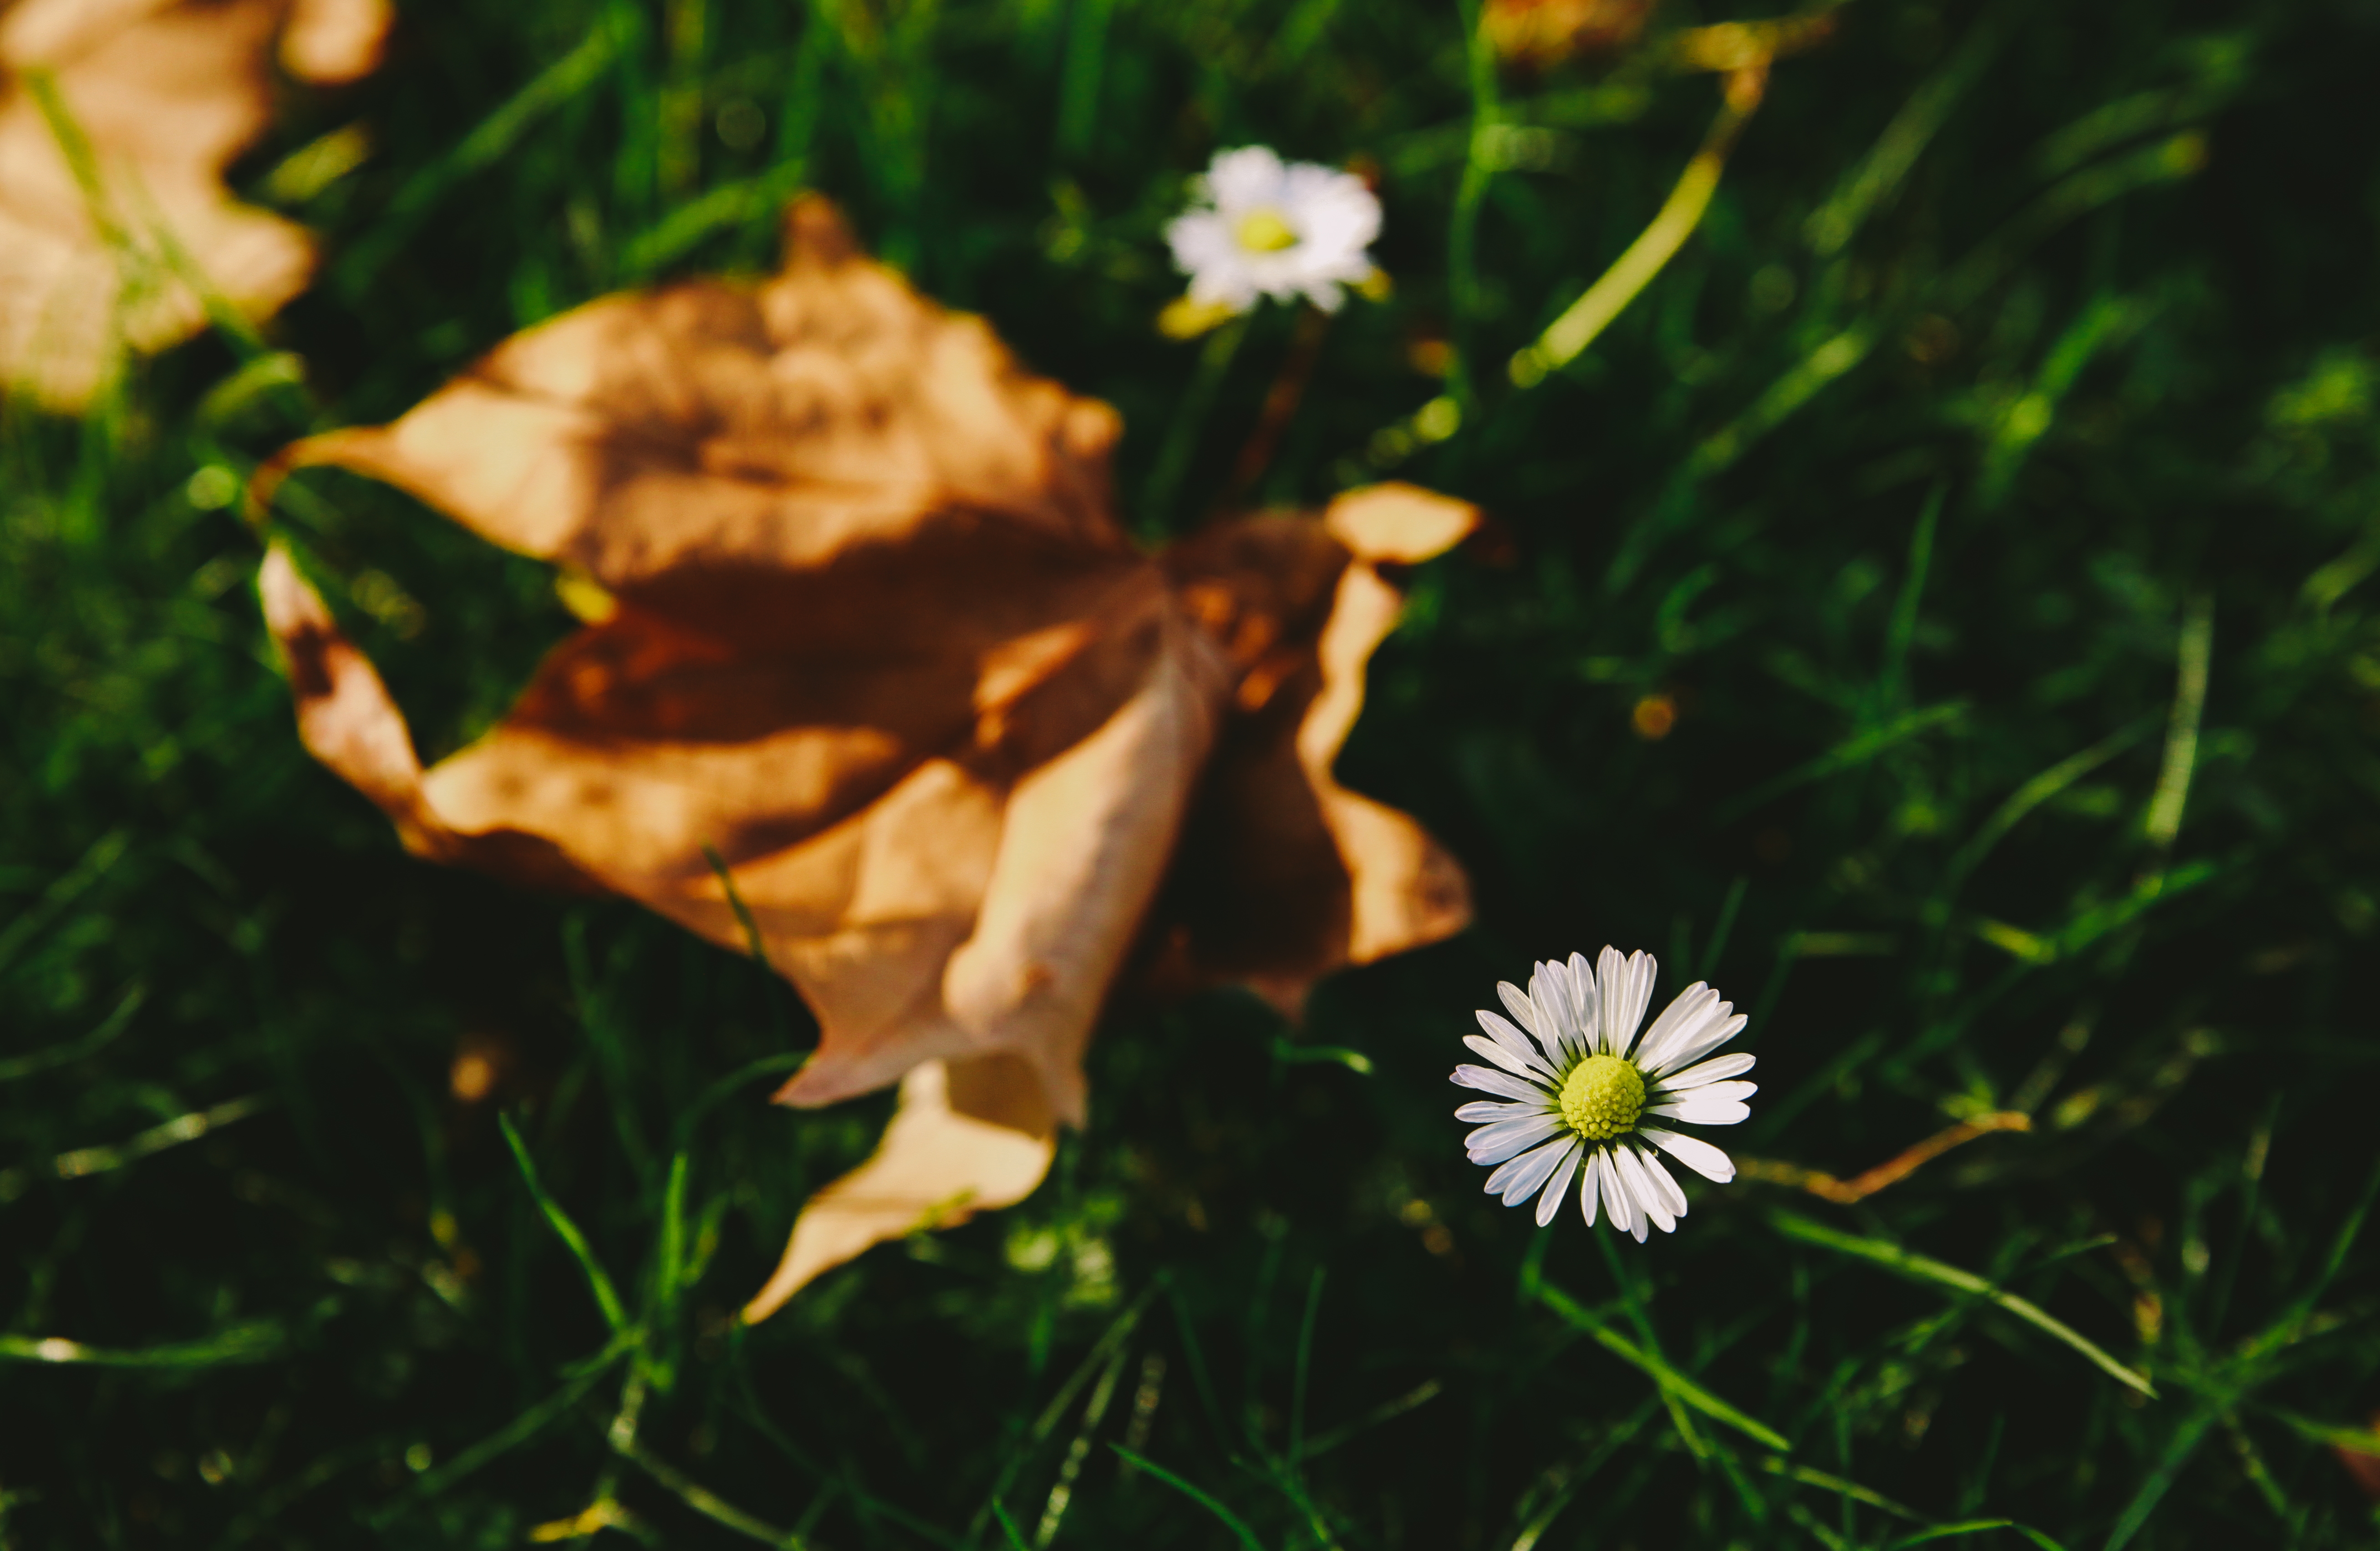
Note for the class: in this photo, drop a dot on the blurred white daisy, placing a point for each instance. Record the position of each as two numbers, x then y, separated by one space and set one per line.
1581 1089
1266 227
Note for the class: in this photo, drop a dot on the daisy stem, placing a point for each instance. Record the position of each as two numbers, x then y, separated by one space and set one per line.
1628 1299
1280 407
1182 435
1635 1306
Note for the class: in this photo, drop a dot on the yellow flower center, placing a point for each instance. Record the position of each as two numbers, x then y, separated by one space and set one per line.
1264 231
1601 1097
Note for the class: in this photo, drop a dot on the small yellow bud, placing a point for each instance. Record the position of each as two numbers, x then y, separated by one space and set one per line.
585 597
1186 317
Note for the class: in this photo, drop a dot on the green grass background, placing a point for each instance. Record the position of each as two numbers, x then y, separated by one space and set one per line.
2019 386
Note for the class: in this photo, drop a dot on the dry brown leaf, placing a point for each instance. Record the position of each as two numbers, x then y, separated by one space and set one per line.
159 96
868 628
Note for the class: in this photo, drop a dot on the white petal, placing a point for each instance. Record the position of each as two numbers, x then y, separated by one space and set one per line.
1713 1035
1590 1186
1325 294
1642 971
1625 986
1249 177
1640 1186
1336 208
1582 997
1514 1064
1227 284
1502 1032
1618 1205
1524 1012
1693 1152
1557 1021
1683 1017
1494 1143
1519 1180
1657 1202
1671 1197
1488 1080
1638 1221
1709 1072
1694 1109
1487 1111
1551 1203
1198 237
1738 1091
1610 990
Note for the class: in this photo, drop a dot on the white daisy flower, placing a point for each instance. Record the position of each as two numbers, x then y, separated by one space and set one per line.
1581 1087
1271 228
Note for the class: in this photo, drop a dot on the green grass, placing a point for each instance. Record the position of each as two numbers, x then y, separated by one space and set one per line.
1991 481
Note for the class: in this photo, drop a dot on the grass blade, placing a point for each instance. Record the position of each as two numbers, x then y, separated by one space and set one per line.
1008 1529
607 1298
1420 1394
85 1161
1305 1358
74 1051
1109 1349
1894 691
242 1343
1672 1382
1975 1526
1587 317
1246 1536
701 1498
2178 1451
1880 174
483 147
1772 1465
2195 650
1849 754
518 1431
1919 1267
2034 792
103 853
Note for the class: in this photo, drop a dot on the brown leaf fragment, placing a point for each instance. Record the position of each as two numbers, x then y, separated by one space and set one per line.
862 624
117 119
331 43
1287 875
344 715
969 1136
347 719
